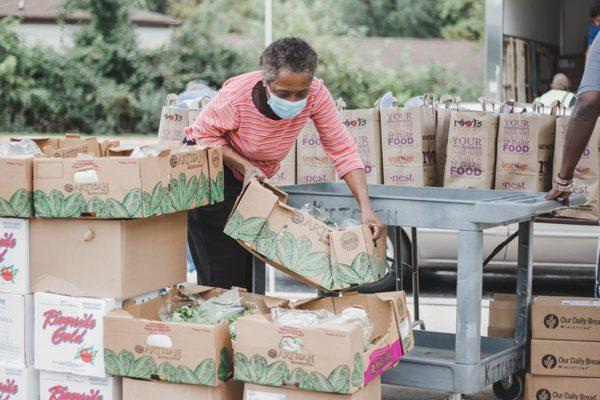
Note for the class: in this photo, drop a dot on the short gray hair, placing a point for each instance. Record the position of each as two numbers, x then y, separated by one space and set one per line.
289 54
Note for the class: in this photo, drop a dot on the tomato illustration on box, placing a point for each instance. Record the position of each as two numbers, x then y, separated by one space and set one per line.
69 334
14 256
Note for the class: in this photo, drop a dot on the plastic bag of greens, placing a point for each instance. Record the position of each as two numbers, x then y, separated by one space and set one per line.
357 316
319 214
300 318
20 148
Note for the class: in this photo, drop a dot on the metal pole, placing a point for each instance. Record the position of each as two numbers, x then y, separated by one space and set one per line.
524 281
398 266
258 276
415 276
468 297
268 22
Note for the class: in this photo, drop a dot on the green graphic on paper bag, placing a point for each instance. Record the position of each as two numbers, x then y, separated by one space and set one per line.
20 204
295 254
125 364
257 370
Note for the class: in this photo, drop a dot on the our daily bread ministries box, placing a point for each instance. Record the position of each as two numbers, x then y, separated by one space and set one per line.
120 186
257 392
334 357
138 344
561 388
137 389
300 245
562 318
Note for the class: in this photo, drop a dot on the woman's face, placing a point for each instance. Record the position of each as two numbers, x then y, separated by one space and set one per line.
292 86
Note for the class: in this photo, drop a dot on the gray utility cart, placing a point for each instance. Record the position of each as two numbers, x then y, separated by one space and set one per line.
463 363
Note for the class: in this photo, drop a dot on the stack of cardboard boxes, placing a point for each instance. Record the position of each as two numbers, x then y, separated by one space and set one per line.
565 349
110 231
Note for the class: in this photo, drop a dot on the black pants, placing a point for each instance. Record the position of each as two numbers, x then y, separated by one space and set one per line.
220 261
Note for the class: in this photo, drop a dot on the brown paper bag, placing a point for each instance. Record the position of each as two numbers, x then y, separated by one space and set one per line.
444 111
525 150
364 126
314 166
408 145
173 121
471 151
194 113
587 172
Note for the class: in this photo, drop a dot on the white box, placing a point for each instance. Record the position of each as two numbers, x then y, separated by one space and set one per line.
19 384
14 255
56 386
16 330
69 333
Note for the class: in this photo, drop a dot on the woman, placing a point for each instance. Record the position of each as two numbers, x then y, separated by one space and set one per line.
256 118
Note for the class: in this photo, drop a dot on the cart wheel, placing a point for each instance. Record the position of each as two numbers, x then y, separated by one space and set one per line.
510 388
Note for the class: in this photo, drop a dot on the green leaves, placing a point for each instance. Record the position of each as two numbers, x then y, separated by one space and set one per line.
55 205
344 276
152 201
166 372
320 383
358 373
203 190
144 367
112 364
246 230
19 205
234 225
217 188
299 377
242 370
132 203
127 362
266 242
340 379
185 375
205 372
225 365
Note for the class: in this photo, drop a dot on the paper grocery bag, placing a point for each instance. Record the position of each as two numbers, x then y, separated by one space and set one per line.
173 121
471 151
587 172
194 112
525 150
444 112
364 127
408 145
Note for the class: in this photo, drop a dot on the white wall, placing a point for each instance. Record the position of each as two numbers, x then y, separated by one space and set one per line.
56 36
576 23
533 19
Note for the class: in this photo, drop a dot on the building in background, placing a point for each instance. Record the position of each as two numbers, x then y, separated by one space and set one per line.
41 24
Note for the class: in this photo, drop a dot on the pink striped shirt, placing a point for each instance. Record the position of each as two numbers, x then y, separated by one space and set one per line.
231 118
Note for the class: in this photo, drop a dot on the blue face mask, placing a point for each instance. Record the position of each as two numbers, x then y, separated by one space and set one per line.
284 108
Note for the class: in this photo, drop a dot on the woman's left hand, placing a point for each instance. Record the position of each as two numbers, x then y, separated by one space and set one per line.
369 217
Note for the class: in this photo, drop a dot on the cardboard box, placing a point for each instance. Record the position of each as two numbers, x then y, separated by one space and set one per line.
334 358
99 258
19 383
364 126
55 386
301 245
216 174
69 333
135 389
287 172
139 345
503 315
255 392
120 186
408 146
314 166
16 330
562 358
14 256
561 318
16 186
71 143
553 388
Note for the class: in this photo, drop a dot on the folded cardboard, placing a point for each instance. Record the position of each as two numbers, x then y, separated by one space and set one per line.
56 386
503 315
333 358
119 186
140 345
255 392
565 358
99 258
301 245
286 175
408 146
553 388
19 383
16 186
135 389
69 332
562 318
14 256
16 330
314 166
364 127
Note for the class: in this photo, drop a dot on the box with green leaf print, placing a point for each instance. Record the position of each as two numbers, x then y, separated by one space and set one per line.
16 195
332 358
119 186
303 246
139 344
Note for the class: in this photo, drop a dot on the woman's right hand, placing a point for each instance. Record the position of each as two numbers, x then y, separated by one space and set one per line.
252 172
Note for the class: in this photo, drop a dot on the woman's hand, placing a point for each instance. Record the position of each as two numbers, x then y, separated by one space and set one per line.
555 194
252 172
370 218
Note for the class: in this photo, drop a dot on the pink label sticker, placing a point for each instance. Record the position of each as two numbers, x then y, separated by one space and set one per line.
383 359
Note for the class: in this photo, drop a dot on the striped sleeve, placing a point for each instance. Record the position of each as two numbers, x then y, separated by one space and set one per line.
214 122
337 142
